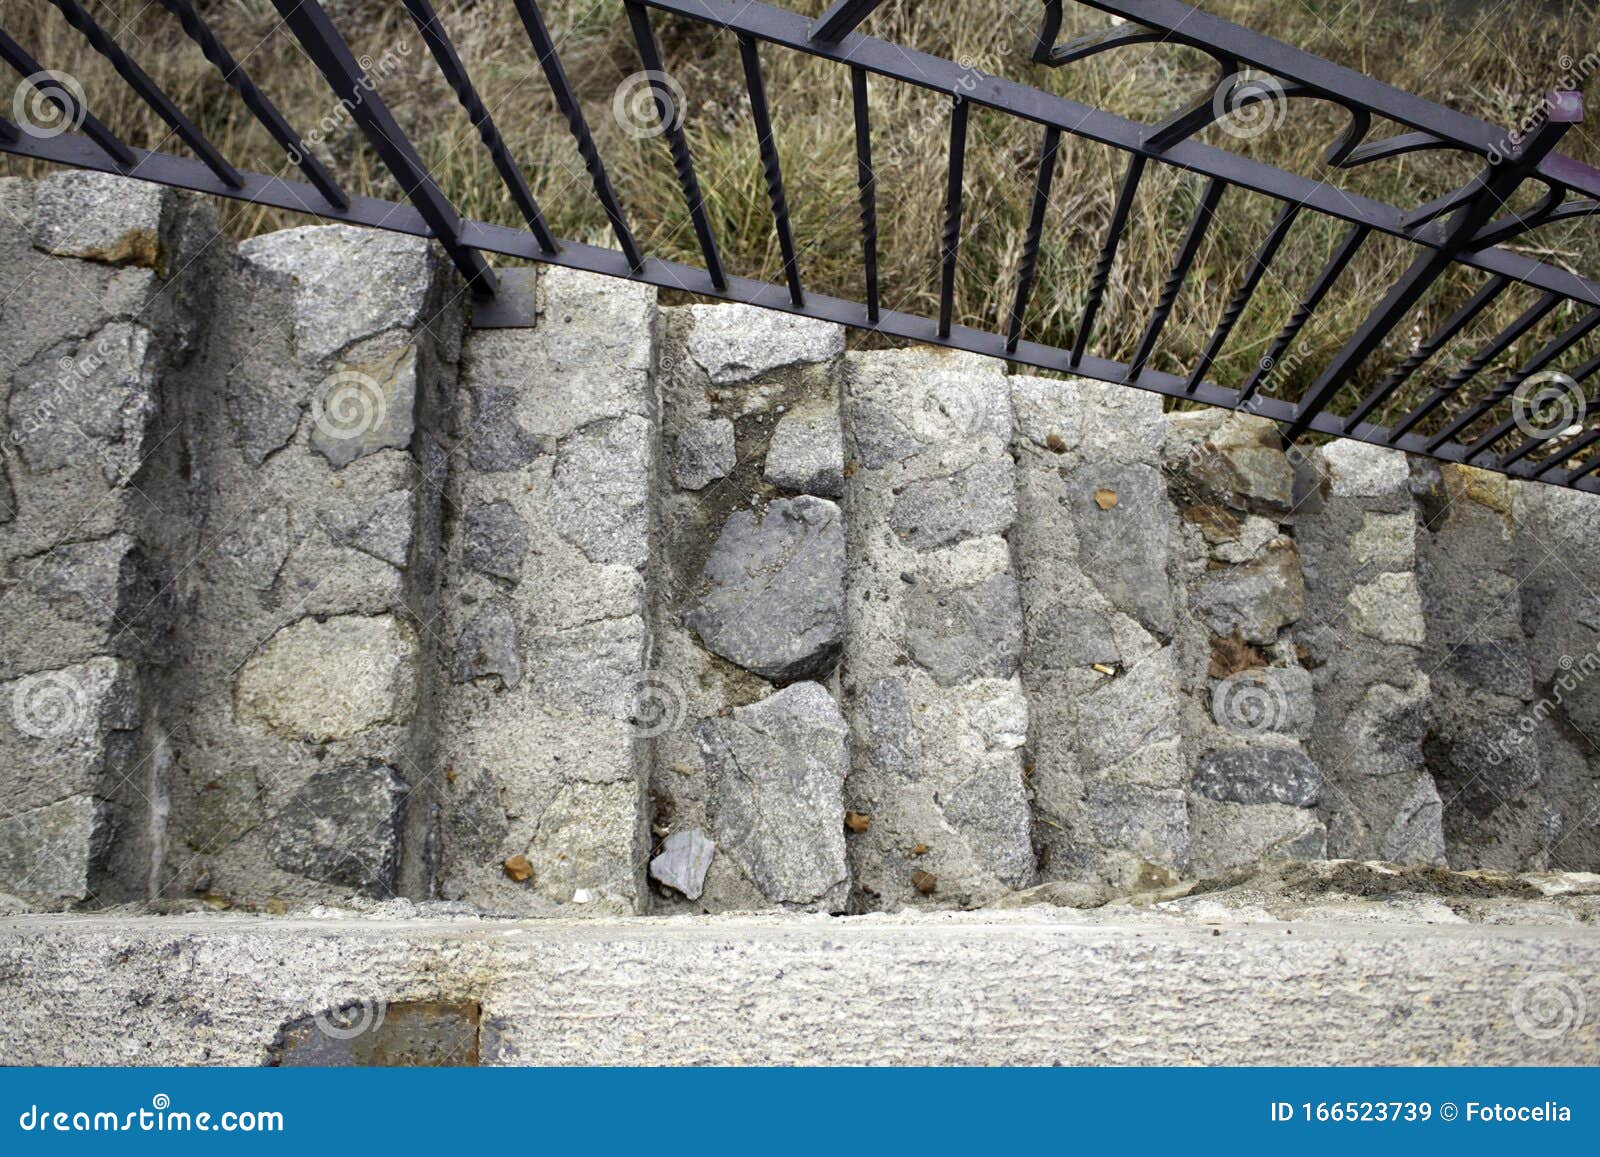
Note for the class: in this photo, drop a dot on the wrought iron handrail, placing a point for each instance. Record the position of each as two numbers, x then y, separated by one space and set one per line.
1466 228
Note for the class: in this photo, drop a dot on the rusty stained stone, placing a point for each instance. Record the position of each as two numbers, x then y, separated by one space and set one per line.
412 1033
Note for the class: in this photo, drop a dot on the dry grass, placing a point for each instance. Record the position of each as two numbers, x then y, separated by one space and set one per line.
1490 59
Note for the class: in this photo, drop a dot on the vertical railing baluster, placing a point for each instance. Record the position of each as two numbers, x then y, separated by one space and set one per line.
100 40
1241 299
1030 243
841 19
350 83
1435 341
1474 365
455 75
771 165
677 140
867 183
1329 274
1108 253
950 248
67 103
567 101
1190 249
256 101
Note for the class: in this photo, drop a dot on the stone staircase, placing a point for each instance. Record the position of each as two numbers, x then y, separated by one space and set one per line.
308 592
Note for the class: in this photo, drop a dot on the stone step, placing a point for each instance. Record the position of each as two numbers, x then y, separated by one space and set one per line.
1036 987
309 594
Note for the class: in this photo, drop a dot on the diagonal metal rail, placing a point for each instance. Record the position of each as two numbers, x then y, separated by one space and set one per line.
1461 231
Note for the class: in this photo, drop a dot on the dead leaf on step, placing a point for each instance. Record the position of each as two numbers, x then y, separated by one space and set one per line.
924 882
857 822
1105 499
517 868
1056 442
1230 654
921 850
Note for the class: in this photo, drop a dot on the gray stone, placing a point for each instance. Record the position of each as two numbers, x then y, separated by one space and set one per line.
1152 824
1265 700
1236 460
488 646
1490 767
772 591
1359 470
990 810
877 437
111 585
343 827
495 440
890 741
1124 549
966 633
496 540
1389 609
52 852
363 407
1417 833
682 864
382 528
1385 541
66 731
1134 715
775 774
1259 775
349 283
88 401
257 546
705 453
323 681
1066 637
223 809
979 500
599 490
264 410
734 343
100 217
807 452
1226 836
1254 600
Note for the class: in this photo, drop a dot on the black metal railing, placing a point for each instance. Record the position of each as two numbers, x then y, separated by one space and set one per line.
1507 428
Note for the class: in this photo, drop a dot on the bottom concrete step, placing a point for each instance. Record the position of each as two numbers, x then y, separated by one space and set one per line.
1037 986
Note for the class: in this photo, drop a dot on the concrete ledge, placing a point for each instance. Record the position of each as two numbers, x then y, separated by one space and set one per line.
1033 987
